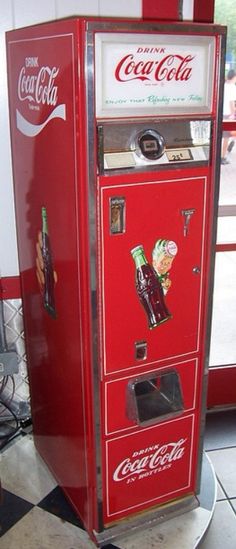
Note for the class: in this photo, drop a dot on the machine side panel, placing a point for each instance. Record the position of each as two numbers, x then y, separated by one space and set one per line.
43 93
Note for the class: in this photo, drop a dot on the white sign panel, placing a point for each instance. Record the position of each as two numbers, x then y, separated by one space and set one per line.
153 74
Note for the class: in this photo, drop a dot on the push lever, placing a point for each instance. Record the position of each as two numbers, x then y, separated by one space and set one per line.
187 216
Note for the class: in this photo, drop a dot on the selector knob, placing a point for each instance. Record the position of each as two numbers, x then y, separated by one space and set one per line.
151 144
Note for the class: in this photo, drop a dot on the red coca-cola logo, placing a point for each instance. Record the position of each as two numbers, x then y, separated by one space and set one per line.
170 67
163 455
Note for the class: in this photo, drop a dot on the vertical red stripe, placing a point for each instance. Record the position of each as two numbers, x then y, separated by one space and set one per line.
203 11
162 9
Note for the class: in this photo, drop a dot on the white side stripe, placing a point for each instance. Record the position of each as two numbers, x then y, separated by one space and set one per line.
31 130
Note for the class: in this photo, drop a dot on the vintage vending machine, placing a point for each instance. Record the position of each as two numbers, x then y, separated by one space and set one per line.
116 147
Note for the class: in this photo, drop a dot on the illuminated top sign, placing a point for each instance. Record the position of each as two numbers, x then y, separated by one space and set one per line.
153 74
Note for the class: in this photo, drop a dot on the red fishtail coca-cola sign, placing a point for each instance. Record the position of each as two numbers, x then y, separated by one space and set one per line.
169 67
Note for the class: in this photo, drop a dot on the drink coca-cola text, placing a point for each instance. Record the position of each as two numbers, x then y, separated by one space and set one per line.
164 455
170 67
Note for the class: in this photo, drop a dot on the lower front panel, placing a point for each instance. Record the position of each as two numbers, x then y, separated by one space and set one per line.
149 467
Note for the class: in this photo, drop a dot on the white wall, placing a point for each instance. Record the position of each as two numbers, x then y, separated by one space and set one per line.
15 14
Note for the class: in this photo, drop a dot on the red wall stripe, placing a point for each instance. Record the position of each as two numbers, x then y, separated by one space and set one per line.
162 9
226 247
203 11
10 287
229 125
221 387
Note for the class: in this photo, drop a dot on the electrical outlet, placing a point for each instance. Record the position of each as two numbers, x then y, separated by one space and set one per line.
9 363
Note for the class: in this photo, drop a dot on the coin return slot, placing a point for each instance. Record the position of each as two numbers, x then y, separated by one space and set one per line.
141 350
152 399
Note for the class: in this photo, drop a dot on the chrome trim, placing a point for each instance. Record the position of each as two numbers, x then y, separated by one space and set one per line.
91 188
154 167
180 10
216 155
100 153
154 26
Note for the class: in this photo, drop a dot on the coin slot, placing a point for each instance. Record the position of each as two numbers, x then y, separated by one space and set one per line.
117 215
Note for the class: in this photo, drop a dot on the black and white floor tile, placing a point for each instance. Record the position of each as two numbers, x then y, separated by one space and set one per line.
34 513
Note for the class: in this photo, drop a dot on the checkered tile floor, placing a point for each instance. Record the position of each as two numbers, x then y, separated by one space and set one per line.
34 513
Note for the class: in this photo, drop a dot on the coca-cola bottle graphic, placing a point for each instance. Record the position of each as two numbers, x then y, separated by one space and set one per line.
149 289
48 287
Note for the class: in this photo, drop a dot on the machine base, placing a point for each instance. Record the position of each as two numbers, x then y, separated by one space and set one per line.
162 524
147 519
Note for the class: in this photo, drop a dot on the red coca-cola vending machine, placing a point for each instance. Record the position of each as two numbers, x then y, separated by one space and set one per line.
116 148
